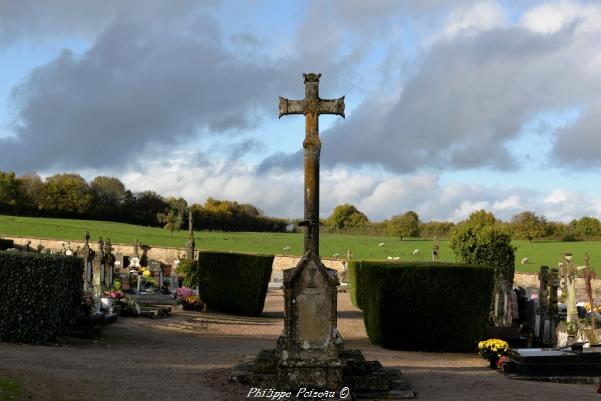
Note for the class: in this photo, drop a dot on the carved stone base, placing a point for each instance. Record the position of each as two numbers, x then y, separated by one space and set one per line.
367 380
308 374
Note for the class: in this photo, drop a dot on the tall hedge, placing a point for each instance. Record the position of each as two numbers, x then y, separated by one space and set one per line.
234 282
40 295
423 305
6 244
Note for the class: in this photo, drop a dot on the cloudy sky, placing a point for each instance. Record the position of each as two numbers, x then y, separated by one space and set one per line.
452 106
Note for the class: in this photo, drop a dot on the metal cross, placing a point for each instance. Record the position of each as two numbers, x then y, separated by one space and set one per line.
312 106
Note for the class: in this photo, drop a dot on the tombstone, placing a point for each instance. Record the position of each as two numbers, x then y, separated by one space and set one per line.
503 308
98 272
568 273
435 249
543 304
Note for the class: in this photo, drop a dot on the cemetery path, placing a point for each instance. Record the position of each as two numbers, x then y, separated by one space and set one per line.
188 356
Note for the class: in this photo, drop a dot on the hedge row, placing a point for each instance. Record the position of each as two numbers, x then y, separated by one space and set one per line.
6 244
234 282
40 295
423 306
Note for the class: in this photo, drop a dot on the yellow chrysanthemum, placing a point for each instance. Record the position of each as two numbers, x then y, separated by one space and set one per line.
147 273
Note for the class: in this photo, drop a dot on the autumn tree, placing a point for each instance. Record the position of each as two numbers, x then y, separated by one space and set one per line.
66 195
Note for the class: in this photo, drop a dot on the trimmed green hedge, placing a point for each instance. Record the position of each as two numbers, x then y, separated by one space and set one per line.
40 295
423 305
234 282
6 244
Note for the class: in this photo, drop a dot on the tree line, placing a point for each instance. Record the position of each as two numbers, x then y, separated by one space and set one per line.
106 198
526 225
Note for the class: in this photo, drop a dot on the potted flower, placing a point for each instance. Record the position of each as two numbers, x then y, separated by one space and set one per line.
493 349
193 303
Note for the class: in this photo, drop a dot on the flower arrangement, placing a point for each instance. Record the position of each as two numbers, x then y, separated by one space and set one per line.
493 349
194 303
113 294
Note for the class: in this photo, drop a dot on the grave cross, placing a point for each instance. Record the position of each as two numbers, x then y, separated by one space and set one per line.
311 106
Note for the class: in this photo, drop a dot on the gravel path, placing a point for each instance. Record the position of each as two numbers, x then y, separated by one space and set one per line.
188 356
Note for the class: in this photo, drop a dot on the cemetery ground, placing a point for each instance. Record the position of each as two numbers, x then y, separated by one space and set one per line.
363 246
188 356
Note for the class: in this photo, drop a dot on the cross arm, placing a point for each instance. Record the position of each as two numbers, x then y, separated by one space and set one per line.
332 106
291 106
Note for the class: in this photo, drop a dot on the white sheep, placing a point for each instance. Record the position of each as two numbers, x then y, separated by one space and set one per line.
389 258
396 258
415 252
524 261
381 244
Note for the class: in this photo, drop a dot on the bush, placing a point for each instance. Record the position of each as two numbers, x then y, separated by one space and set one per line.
234 282
40 295
189 269
485 245
423 305
6 244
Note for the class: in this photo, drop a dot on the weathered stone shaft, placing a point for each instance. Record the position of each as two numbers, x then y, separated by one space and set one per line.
312 146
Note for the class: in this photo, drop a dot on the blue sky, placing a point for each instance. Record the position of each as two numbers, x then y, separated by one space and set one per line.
451 106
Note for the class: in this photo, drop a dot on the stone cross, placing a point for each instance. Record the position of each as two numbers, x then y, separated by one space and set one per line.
589 275
88 257
311 106
190 244
109 263
308 349
568 271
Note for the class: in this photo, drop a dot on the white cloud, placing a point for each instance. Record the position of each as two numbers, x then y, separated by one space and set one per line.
551 17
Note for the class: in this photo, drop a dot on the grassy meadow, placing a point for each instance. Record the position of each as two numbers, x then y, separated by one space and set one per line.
363 247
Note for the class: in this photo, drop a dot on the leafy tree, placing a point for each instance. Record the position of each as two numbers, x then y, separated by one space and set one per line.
147 206
347 216
405 225
31 189
109 194
528 225
10 192
431 229
66 194
587 227
172 221
478 240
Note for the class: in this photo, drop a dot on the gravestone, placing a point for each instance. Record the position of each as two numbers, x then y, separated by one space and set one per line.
310 352
568 273
88 260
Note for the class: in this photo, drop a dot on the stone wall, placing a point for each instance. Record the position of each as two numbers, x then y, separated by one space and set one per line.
280 262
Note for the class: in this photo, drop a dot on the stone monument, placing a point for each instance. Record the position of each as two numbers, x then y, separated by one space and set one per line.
190 244
310 352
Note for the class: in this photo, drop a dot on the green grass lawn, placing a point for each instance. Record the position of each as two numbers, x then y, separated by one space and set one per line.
363 247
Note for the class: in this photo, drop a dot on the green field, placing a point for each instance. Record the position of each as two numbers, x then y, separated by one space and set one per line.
363 247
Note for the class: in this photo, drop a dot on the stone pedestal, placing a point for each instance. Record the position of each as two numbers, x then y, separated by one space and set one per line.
308 348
